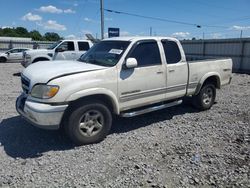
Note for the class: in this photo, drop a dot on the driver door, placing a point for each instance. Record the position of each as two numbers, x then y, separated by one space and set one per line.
144 84
13 55
65 51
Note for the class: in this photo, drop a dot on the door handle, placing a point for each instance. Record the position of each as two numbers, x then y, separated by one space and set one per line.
159 72
171 70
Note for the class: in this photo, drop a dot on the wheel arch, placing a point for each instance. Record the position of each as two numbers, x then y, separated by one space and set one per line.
5 58
103 95
36 59
213 78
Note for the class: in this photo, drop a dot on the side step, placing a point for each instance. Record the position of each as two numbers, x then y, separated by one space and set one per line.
150 109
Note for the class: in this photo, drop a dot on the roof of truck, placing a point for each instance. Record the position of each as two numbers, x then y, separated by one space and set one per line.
136 38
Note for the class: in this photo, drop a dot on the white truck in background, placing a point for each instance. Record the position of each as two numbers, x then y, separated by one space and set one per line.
61 50
124 76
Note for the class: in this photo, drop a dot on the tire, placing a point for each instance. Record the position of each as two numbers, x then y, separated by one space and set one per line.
206 97
88 123
3 59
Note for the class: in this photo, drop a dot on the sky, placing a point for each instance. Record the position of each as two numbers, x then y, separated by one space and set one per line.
75 18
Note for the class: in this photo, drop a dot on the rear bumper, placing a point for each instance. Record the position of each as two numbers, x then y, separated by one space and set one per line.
41 115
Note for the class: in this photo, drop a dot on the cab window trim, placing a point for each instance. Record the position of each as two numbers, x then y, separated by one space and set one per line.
167 40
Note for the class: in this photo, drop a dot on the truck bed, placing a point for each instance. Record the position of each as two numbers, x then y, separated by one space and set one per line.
202 68
191 59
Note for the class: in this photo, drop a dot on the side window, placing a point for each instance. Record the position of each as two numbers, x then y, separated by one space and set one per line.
83 46
146 54
21 50
14 51
172 51
67 46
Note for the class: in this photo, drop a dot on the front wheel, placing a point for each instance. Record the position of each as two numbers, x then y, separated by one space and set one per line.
3 59
206 97
88 123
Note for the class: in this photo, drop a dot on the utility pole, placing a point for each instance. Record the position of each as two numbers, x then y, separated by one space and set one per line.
241 32
102 19
203 35
150 31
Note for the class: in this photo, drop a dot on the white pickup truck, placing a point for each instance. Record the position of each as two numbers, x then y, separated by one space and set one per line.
61 50
119 76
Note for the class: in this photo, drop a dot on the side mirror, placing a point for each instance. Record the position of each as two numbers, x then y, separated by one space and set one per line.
59 49
131 63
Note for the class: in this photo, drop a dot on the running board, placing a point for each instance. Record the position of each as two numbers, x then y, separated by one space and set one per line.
150 109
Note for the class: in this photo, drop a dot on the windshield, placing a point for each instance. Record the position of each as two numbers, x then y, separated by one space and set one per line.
52 46
105 53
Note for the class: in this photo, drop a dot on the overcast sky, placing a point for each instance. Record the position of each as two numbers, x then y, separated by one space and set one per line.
74 18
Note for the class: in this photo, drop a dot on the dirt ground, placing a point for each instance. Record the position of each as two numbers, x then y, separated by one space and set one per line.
176 147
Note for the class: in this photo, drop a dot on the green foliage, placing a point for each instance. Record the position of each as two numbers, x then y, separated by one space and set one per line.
34 34
22 32
50 36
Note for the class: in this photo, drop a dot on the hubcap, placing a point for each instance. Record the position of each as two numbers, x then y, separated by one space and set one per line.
207 96
91 123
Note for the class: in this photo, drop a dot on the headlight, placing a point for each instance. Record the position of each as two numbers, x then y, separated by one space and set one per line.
43 91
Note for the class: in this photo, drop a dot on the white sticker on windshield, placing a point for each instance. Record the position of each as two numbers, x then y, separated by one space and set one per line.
116 51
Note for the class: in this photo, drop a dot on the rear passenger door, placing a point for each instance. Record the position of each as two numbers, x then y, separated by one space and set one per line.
177 70
144 84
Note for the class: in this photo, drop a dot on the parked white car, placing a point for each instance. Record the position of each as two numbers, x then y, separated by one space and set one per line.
118 76
14 54
61 50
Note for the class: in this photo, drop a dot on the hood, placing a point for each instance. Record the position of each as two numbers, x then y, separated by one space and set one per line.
42 72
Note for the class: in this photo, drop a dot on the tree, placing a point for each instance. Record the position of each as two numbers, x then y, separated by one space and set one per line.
21 32
51 36
9 32
35 35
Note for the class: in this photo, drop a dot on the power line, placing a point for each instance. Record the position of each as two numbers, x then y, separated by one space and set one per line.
163 19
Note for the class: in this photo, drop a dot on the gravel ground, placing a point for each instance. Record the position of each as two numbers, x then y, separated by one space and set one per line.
176 147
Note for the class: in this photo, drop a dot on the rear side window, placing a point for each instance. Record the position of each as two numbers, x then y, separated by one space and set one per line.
146 54
172 51
21 50
83 46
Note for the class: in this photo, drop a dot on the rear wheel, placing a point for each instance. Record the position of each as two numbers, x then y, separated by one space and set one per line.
88 123
206 97
3 59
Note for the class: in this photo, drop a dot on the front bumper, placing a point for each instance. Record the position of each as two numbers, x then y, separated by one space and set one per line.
41 115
